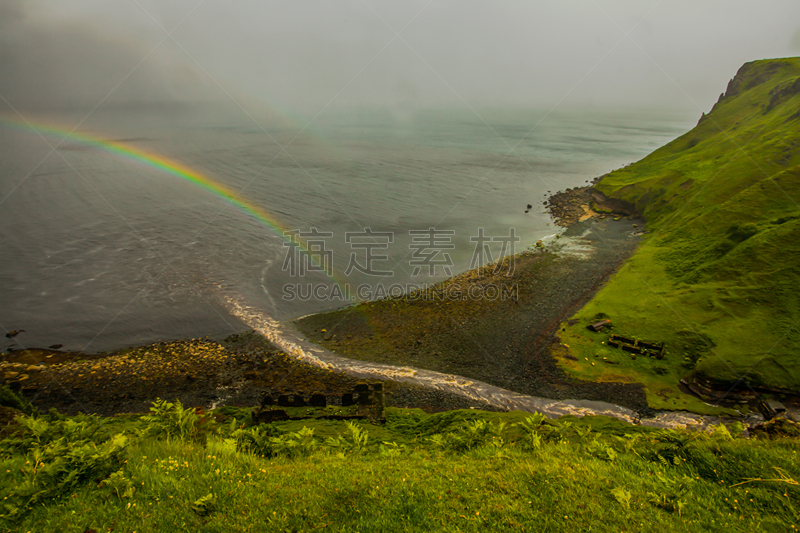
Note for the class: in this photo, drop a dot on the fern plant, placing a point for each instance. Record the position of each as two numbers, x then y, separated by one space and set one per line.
60 466
256 440
391 449
206 505
42 430
122 486
357 437
531 428
583 432
671 493
563 429
622 496
473 434
172 421
672 447
602 450
469 436
297 444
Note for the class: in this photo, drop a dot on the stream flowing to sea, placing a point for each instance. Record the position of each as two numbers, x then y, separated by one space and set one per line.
100 252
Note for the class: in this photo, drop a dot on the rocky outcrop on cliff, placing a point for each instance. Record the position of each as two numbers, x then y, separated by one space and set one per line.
580 203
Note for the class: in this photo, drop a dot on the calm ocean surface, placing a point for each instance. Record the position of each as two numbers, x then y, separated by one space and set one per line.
98 251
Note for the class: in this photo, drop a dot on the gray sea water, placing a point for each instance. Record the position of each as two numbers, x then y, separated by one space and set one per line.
100 251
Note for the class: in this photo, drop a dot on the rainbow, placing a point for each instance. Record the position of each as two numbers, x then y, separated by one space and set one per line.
168 166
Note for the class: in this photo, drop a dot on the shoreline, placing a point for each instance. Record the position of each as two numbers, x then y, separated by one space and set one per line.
201 373
505 344
236 371
493 397
233 377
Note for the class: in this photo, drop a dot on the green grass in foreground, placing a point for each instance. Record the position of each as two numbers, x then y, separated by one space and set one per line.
717 277
177 470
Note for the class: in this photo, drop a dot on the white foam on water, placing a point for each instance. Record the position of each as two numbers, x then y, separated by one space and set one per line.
293 343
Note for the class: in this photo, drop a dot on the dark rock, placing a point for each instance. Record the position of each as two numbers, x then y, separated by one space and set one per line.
602 203
318 400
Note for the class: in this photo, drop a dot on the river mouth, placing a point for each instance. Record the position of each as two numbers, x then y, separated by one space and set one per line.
237 370
555 278
437 355
504 343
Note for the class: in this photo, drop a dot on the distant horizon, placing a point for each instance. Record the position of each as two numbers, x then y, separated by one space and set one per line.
260 109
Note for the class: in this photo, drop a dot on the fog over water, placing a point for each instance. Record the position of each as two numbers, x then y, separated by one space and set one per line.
300 56
329 115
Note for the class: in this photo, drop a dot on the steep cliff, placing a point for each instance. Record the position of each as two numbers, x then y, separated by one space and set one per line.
718 276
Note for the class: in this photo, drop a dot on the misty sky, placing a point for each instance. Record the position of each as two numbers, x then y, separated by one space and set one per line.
299 56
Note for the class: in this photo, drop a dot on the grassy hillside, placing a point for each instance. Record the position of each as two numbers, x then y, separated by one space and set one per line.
181 470
717 276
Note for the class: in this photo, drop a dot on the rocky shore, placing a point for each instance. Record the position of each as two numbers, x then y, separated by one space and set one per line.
199 372
583 203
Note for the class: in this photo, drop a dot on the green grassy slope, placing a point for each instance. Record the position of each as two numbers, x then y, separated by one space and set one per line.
456 471
717 277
